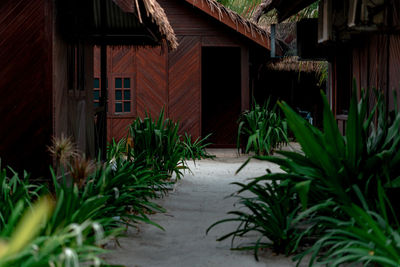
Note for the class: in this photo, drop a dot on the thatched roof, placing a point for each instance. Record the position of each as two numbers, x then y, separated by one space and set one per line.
157 15
294 64
234 21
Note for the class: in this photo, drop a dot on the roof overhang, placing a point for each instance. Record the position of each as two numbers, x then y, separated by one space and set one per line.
234 21
287 8
117 22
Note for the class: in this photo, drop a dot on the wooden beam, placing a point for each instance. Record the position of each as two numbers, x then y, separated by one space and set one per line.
102 115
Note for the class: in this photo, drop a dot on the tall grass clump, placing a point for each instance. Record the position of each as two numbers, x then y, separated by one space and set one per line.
343 189
25 243
156 143
262 129
195 148
87 203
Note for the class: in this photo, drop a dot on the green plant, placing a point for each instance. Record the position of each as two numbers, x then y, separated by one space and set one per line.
365 237
195 149
14 189
22 243
332 164
271 212
333 177
156 144
262 129
245 8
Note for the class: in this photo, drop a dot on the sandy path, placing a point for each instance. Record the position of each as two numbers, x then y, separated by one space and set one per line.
197 202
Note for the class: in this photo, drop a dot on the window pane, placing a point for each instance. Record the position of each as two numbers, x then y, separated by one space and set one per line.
118 82
127 95
127 83
127 106
96 83
118 94
96 94
118 107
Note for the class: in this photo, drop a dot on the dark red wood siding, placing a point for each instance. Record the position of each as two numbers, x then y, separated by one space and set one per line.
152 81
121 63
172 80
185 85
25 84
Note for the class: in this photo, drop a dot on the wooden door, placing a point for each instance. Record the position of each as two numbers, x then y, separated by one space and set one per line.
221 94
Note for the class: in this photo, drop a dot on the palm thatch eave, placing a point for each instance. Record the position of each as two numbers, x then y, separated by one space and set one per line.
156 13
235 21
293 63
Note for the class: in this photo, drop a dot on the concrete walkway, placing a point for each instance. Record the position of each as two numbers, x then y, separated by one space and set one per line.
198 200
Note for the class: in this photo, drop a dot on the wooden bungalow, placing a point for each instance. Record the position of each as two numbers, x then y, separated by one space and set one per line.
360 39
46 70
204 84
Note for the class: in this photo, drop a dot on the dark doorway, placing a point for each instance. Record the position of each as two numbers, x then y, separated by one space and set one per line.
221 94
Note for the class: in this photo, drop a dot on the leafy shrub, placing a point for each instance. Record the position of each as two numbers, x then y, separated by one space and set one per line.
270 211
157 144
195 149
13 190
262 129
332 164
364 236
336 178
89 198
23 244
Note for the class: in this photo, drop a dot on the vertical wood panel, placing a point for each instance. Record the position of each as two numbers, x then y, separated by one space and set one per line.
245 78
152 79
185 85
356 66
394 67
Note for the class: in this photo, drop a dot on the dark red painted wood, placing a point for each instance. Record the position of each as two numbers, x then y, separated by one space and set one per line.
173 79
185 85
25 84
152 81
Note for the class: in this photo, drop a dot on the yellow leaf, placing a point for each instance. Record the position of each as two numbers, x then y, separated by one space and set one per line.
28 227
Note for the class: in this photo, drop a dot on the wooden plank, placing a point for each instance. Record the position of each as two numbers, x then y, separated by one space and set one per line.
373 69
194 17
152 79
394 68
185 19
185 85
122 59
255 37
25 84
118 127
221 40
245 90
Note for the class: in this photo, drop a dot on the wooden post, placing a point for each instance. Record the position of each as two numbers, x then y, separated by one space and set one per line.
102 116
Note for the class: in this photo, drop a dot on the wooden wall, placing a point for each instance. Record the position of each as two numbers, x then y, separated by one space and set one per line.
185 85
73 108
374 62
25 84
121 62
172 80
